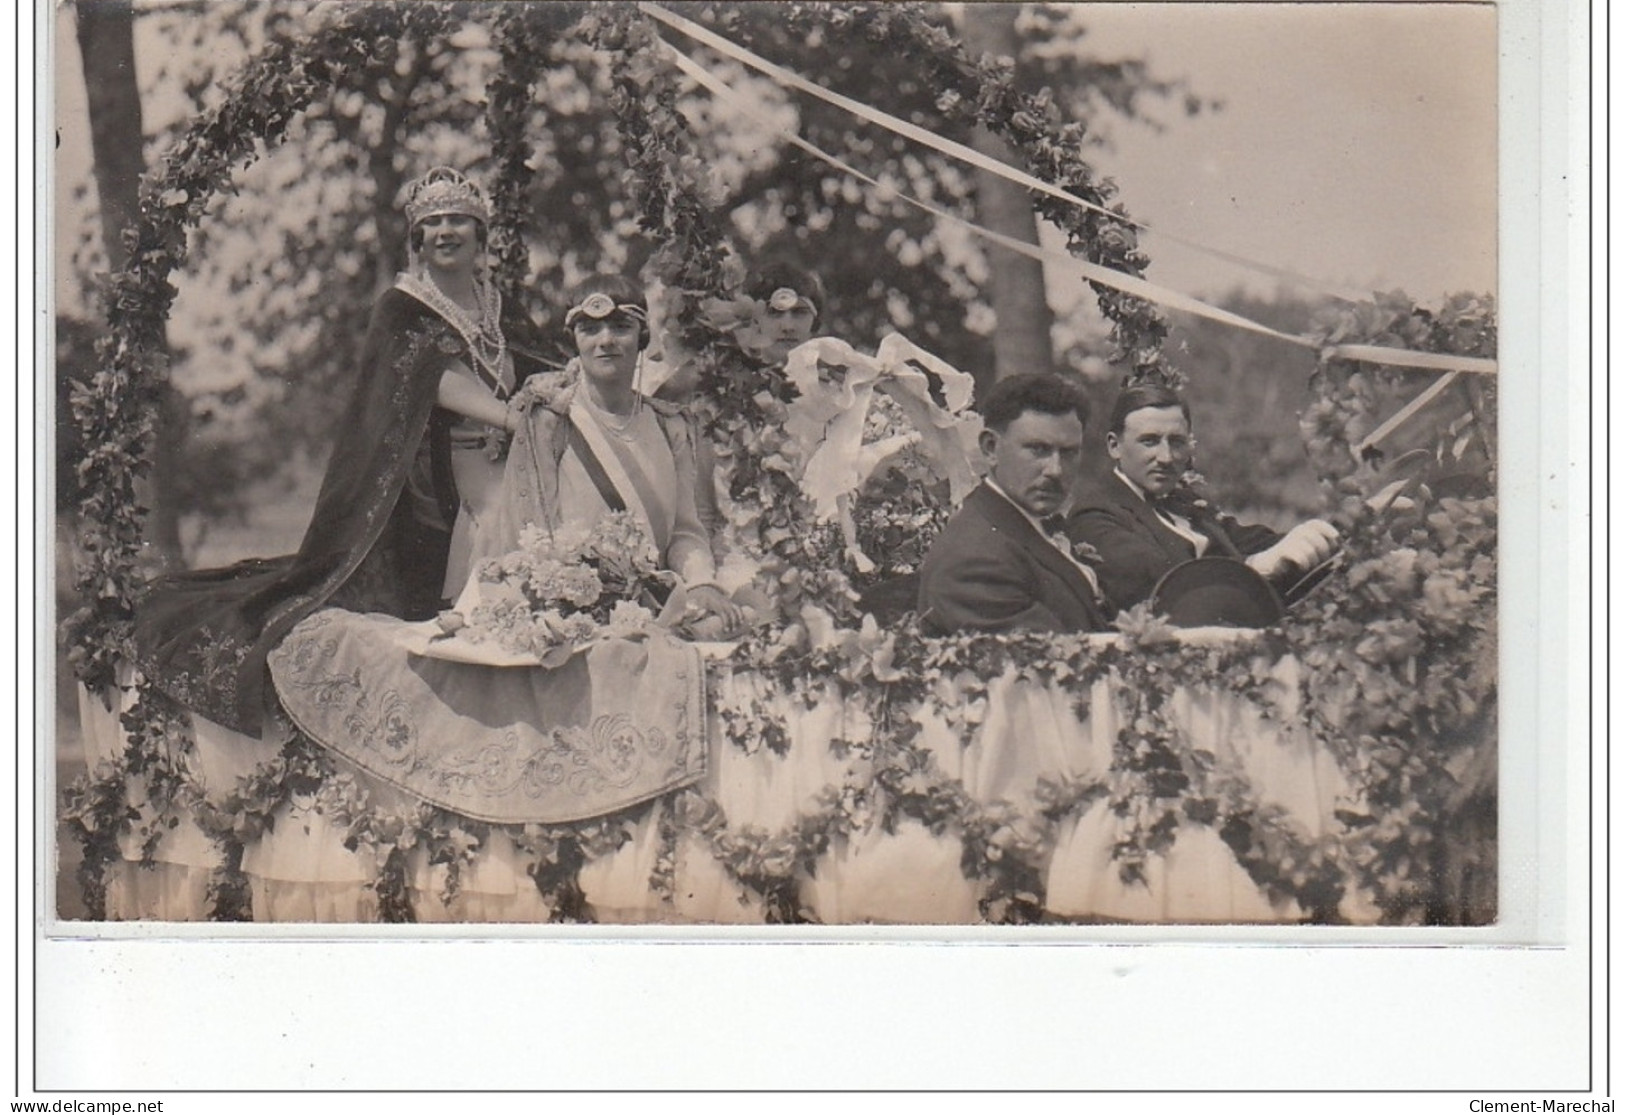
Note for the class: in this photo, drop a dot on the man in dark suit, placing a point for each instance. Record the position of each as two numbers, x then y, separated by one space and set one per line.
997 566
1143 521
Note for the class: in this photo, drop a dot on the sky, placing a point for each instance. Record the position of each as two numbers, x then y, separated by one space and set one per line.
1356 143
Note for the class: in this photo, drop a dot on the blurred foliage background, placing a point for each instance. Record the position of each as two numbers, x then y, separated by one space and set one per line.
272 305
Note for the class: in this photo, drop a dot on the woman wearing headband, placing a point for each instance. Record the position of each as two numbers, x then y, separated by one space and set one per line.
600 445
416 461
787 301
792 299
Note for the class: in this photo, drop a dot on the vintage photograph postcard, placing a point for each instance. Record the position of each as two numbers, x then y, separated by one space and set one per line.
746 464
1005 472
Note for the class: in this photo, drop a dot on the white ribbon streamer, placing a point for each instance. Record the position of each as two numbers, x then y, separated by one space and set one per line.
1412 358
963 153
1105 276
1404 413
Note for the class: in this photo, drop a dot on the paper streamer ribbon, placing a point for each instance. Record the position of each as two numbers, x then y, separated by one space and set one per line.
963 153
1412 358
1404 413
1106 276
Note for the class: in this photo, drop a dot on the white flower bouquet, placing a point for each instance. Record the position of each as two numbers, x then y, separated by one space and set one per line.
559 591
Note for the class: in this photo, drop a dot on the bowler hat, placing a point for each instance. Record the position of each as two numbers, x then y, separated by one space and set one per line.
1216 592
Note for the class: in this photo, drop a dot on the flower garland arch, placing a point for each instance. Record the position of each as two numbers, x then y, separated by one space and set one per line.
1372 707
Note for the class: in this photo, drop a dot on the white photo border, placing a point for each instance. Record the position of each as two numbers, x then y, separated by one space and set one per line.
1506 1007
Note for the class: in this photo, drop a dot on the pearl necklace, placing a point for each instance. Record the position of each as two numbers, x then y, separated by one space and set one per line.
622 428
489 354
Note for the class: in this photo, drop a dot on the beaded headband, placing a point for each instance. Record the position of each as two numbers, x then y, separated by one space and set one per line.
599 305
445 191
784 300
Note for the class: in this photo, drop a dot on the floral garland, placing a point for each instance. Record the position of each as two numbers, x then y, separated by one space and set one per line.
1346 392
1407 712
116 409
1413 705
142 792
897 514
522 41
96 809
1399 714
1157 783
742 398
983 91
1158 780
1403 665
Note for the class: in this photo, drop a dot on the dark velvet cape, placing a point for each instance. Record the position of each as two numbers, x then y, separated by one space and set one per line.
202 636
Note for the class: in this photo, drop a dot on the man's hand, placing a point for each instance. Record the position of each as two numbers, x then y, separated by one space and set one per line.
1305 546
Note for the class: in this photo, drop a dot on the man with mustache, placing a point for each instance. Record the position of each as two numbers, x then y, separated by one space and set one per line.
998 565
1143 520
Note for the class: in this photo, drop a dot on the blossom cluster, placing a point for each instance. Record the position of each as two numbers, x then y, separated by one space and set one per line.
563 588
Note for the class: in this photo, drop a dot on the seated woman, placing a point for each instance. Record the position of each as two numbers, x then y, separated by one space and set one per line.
417 459
452 714
793 302
597 444
786 303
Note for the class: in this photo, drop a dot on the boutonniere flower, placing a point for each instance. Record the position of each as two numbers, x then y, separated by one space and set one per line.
1084 553
1189 497
1080 552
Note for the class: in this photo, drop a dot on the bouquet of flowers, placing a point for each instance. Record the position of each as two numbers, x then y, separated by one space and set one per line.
560 590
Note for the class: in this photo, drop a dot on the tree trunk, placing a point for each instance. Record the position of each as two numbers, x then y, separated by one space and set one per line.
107 53
1021 338
391 223
106 33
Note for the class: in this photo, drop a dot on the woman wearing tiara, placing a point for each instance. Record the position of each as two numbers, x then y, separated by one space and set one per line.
416 462
459 718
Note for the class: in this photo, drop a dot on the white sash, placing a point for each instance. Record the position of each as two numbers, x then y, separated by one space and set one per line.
593 433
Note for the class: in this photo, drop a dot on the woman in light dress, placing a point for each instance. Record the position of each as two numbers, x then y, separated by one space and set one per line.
596 444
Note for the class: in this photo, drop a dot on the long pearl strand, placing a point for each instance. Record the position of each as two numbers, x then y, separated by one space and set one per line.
618 424
490 354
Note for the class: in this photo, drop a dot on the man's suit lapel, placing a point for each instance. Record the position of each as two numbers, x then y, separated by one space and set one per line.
1202 520
1178 549
1008 520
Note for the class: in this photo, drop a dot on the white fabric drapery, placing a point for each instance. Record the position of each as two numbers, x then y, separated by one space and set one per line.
300 872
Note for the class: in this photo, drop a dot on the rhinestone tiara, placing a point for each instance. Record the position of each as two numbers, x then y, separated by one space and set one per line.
445 190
